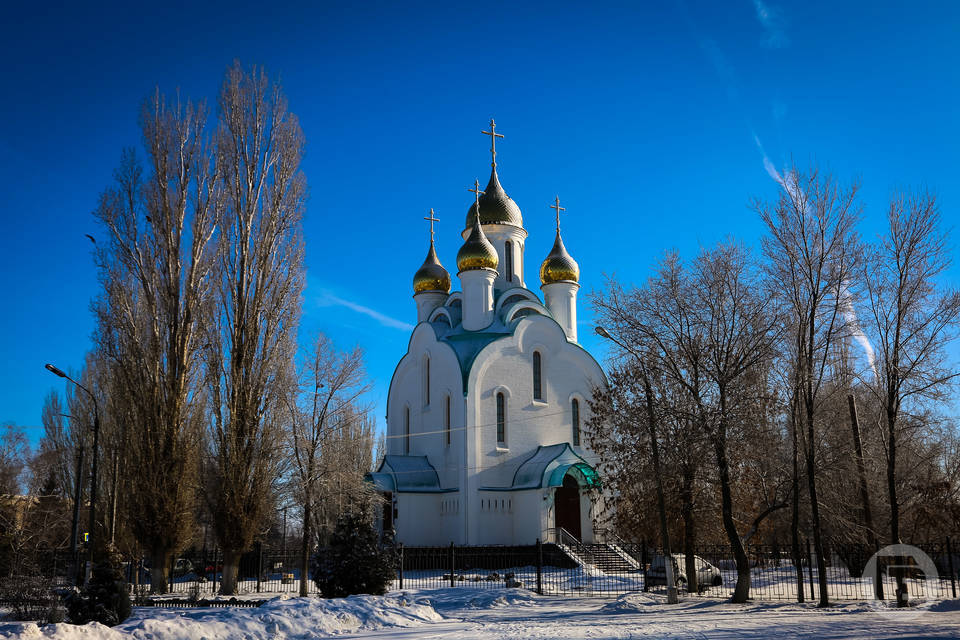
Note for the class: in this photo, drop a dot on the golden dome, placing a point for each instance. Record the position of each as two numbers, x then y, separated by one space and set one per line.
477 252
431 276
559 266
495 206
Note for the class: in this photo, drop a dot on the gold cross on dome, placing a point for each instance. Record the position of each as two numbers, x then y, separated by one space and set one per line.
556 205
476 190
493 141
432 218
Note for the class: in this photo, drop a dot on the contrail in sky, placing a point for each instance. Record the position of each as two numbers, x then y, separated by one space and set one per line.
789 184
328 299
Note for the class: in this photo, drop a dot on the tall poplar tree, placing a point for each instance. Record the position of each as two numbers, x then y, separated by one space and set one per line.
253 325
155 266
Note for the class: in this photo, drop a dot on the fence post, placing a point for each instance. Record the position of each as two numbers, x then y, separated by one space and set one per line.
810 569
400 562
173 563
539 567
643 562
798 569
259 564
453 567
214 570
953 572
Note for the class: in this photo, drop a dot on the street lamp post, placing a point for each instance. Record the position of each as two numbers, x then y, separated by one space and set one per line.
655 454
96 440
77 490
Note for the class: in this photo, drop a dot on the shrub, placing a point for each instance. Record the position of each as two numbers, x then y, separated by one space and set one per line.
105 598
30 597
355 562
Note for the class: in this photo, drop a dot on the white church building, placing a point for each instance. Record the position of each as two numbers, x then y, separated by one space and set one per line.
486 409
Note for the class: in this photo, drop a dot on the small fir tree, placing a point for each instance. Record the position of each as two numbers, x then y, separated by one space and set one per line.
355 562
105 598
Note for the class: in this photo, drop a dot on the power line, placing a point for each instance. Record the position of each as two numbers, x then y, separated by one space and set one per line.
480 426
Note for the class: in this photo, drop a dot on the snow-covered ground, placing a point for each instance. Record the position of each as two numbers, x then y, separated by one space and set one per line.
487 614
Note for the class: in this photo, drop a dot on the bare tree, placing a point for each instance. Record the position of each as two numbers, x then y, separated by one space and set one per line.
811 250
633 337
252 334
707 332
324 414
57 449
14 453
345 459
737 326
155 267
912 319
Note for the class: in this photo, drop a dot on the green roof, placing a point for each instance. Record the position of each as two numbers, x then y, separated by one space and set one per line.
406 474
547 467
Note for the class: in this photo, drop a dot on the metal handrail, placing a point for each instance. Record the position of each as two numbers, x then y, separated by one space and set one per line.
618 545
564 537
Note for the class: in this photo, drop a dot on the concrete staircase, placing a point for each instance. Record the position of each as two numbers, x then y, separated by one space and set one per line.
612 560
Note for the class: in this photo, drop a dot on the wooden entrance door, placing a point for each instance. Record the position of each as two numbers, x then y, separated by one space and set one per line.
567 505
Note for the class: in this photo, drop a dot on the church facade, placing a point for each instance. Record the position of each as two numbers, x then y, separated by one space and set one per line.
486 409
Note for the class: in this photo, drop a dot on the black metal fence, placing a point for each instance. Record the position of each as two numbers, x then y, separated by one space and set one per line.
616 569
199 575
561 569
192 576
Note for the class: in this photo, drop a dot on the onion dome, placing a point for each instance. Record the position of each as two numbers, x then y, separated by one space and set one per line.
559 266
495 206
431 276
477 252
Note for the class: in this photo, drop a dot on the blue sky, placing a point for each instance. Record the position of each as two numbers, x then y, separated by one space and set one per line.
649 120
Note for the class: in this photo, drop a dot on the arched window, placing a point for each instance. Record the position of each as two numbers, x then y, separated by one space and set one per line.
575 419
406 430
446 419
501 419
537 386
508 259
426 381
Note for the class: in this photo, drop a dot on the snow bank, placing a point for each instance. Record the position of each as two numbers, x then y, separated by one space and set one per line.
448 600
278 619
633 603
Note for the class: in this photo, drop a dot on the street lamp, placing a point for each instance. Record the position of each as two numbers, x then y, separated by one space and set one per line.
655 454
96 439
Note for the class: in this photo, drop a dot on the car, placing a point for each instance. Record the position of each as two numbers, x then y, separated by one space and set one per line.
181 567
707 574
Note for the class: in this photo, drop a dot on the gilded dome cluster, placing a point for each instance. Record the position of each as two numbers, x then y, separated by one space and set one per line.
492 207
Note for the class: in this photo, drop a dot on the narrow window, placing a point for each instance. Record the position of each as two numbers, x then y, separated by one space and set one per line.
508 254
406 430
537 387
575 416
501 419
446 419
426 382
